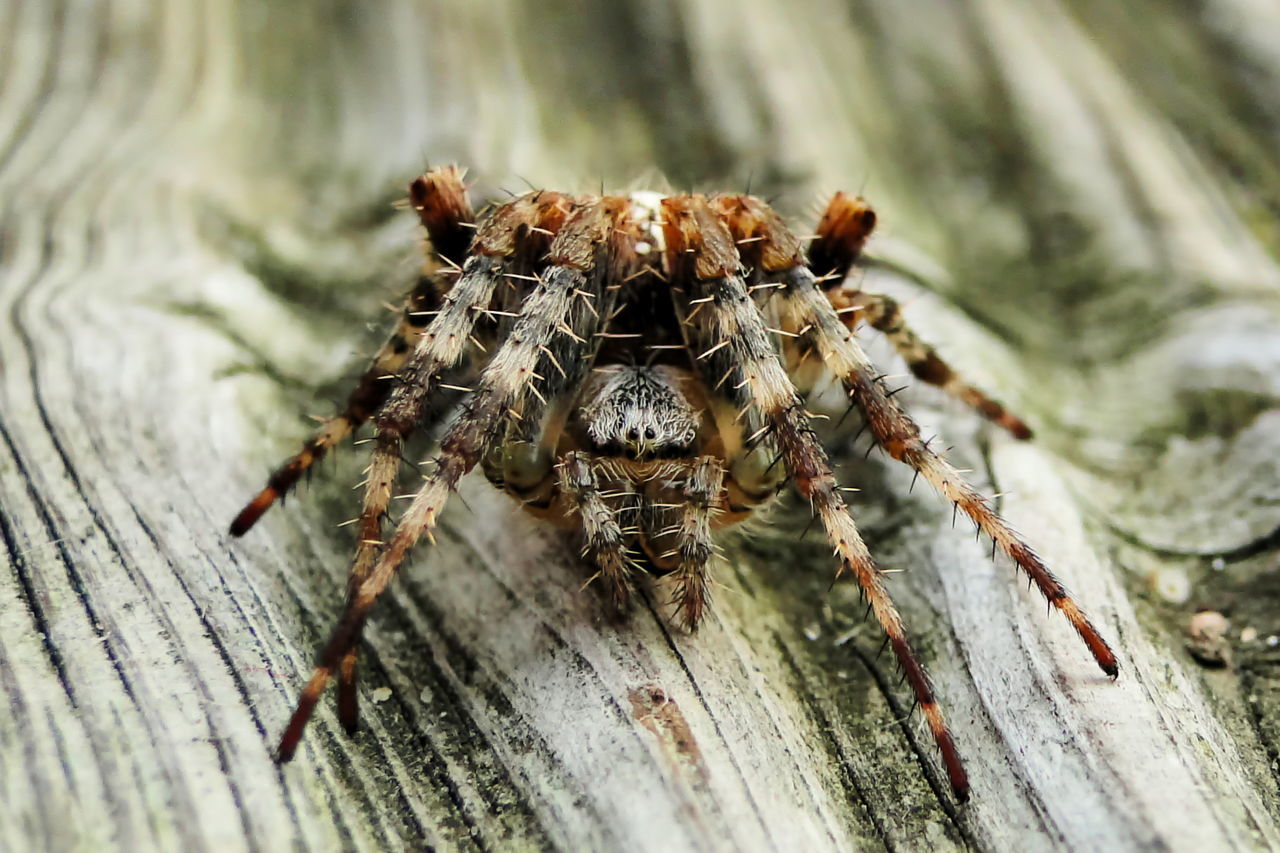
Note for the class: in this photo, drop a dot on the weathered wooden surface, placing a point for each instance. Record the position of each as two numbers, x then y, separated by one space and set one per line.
1079 198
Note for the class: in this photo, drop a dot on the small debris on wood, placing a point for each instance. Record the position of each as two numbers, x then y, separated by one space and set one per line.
1208 641
1172 585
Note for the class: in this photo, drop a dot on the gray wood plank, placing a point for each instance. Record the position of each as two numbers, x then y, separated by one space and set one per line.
1078 205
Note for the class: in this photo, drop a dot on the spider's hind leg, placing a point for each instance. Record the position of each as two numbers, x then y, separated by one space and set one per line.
883 314
842 232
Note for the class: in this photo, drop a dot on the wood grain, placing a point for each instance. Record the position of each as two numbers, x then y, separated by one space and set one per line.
1079 205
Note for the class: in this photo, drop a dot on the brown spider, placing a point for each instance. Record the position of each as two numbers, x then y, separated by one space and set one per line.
637 367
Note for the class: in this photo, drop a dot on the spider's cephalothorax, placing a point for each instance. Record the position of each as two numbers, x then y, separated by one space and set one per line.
639 412
634 370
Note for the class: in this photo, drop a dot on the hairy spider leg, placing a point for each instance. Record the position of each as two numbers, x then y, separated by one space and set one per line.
884 314
806 310
704 263
741 436
812 322
594 247
523 462
380 477
505 245
842 232
445 211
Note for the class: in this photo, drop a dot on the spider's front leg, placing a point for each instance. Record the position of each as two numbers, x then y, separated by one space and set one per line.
511 234
807 314
729 335
884 315
442 204
594 247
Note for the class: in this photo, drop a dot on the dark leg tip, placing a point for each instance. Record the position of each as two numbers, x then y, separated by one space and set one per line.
253 511
348 709
284 753
1015 426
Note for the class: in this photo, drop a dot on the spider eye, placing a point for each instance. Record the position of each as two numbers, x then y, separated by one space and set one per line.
633 434
650 434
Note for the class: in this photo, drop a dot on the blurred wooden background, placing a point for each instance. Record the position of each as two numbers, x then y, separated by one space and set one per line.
1079 200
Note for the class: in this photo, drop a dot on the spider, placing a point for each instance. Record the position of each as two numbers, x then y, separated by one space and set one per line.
635 368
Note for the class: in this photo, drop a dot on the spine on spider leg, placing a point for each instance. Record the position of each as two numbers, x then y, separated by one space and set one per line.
702 258
898 434
442 204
